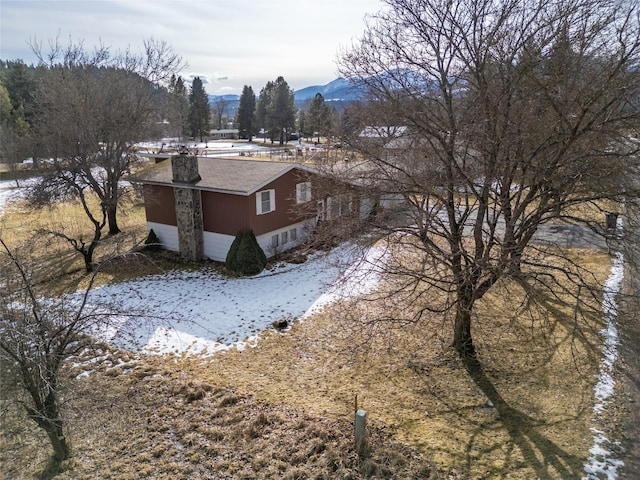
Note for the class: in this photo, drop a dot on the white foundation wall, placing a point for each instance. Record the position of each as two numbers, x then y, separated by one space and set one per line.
266 243
168 235
216 245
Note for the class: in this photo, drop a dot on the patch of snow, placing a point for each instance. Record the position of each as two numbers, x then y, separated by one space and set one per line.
7 192
203 312
602 461
203 148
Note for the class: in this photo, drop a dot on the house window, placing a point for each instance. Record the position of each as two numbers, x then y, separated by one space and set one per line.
274 241
265 201
338 206
303 192
284 237
293 234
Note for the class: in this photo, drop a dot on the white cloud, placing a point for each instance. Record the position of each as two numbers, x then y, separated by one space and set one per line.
252 42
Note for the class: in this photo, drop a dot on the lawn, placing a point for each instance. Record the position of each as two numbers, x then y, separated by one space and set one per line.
283 409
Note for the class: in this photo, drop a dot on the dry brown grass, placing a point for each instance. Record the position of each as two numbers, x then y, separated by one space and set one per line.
57 262
284 409
527 416
149 418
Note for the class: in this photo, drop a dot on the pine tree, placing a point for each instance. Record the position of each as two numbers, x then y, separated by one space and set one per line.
318 117
199 110
262 106
281 112
245 118
275 110
178 114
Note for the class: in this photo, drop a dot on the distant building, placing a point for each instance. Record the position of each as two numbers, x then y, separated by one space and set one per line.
224 134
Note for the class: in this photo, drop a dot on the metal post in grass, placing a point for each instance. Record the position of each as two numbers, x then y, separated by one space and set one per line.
360 431
611 220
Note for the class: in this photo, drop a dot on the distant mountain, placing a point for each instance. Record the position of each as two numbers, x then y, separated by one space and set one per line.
231 103
338 93
228 98
337 90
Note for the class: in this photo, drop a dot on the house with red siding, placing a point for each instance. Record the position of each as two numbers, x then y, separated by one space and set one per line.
196 206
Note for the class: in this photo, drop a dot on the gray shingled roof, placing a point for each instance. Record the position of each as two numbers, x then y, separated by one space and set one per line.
230 175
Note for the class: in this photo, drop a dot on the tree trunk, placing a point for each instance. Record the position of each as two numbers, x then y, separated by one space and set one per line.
113 222
462 340
48 418
58 442
88 261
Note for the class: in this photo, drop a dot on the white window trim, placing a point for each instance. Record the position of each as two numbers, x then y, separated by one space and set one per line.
272 201
321 215
303 192
338 206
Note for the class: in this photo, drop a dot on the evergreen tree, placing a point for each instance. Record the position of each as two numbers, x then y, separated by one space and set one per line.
303 124
17 82
281 111
245 255
178 106
199 111
245 118
319 116
262 106
275 110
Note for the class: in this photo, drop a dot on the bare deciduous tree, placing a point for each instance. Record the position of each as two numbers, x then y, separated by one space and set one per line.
488 120
93 109
219 108
37 336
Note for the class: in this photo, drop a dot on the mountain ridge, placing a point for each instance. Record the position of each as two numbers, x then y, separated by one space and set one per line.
338 93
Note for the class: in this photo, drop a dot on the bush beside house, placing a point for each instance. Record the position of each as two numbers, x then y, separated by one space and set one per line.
245 255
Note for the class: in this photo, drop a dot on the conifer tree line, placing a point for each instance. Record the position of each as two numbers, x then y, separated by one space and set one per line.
184 108
274 115
188 110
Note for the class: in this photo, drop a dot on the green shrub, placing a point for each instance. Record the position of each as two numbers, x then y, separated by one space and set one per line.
152 242
245 255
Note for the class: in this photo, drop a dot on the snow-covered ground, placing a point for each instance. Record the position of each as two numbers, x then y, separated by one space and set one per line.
7 192
204 311
215 147
603 462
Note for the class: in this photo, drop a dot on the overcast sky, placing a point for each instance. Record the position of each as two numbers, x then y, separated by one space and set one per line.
228 43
